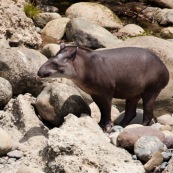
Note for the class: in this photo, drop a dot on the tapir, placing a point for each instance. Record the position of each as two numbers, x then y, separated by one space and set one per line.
128 73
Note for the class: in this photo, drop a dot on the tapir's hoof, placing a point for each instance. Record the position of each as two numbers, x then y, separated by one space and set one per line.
107 127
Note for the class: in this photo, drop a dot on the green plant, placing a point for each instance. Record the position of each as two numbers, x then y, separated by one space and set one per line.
31 10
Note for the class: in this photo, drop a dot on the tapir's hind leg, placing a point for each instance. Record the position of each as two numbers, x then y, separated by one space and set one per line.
104 105
130 110
148 97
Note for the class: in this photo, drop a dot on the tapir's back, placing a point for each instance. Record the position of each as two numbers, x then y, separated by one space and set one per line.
132 69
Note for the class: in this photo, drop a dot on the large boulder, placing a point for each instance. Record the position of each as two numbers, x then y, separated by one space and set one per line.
6 142
19 66
55 28
86 33
58 100
5 92
163 49
80 146
94 12
164 17
14 23
28 133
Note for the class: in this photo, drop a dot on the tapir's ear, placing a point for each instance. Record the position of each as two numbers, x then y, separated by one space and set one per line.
62 45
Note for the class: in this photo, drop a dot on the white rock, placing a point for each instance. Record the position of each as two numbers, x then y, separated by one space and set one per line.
94 12
166 119
55 28
95 112
6 142
131 30
80 146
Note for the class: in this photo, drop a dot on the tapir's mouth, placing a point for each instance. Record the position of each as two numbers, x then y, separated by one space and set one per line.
42 75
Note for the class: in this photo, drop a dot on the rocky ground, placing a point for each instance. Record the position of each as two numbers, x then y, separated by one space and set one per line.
45 124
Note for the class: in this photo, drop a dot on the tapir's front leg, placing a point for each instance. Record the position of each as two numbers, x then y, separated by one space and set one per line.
105 109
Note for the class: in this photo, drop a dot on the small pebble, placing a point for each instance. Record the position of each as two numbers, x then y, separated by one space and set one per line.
163 166
15 154
134 157
116 129
166 155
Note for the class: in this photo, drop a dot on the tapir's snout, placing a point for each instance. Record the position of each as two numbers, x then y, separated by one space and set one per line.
42 72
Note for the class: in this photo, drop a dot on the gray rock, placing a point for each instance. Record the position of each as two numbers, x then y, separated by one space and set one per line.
43 18
5 92
169 167
116 129
136 120
166 155
86 33
80 146
164 16
128 137
55 28
94 12
48 8
58 100
146 146
6 142
163 166
19 66
14 21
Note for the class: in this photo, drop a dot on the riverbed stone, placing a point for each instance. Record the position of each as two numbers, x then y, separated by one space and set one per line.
131 30
167 32
50 50
6 142
14 21
146 146
85 33
43 18
166 119
128 137
156 160
19 65
28 169
58 100
168 138
55 28
95 112
80 146
96 13
5 92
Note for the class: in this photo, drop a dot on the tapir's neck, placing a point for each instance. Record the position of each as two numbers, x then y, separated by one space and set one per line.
85 67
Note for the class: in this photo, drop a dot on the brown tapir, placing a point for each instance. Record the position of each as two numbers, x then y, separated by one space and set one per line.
127 73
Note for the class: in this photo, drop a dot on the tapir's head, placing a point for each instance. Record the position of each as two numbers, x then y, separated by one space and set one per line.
61 65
